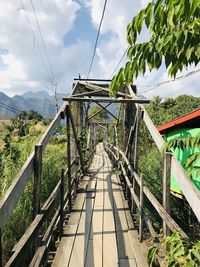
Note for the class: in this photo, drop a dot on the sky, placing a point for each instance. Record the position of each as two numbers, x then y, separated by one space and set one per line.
61 48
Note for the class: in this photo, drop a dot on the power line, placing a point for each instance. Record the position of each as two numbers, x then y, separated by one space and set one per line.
97 38
42 38
17 110
170 81
8 108
35 38
119 63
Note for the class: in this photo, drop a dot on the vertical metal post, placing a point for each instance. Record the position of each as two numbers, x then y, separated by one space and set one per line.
116 140
37 179
166 189
68 156
95 136
92 141
88 139
77 141
76 175
128 193
133 204
62 192
138 119
141 207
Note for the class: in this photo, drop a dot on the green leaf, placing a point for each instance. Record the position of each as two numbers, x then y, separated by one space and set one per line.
135 68
140 20
120 78
157 60
173 70
187 8
128 73
180 10
196 254
190 263
167 60
146 51
148 14
197 245
150 61
157 7
131 52
151 255
188 53
193 6
197 52
170 16
113 86
142 67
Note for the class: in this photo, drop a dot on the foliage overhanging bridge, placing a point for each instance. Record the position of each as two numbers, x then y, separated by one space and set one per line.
88 218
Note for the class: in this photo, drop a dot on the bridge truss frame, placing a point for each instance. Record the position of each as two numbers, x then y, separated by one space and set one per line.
75 112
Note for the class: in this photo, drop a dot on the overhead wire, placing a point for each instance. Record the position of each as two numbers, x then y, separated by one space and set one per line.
97 38
17 110
9 108
118 64
35 38
170 81
42 38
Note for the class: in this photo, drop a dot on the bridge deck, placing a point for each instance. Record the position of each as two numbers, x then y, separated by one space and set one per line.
100 231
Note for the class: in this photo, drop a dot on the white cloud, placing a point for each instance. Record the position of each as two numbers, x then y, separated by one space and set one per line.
25 68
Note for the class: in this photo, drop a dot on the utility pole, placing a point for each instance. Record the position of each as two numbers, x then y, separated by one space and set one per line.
54 85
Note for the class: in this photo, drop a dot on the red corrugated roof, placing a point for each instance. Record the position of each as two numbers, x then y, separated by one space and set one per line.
180 120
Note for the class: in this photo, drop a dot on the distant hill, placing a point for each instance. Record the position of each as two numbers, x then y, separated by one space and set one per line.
39 101
38 94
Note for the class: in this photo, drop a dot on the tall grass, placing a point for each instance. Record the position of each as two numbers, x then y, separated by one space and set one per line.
54 158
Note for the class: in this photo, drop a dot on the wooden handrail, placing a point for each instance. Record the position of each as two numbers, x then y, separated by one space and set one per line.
189 190
37 223
10 199
159 208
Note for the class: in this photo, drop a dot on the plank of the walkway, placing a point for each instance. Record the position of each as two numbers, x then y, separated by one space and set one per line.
133 236
125 251
110 257
66 244
81 241
94 252
127 263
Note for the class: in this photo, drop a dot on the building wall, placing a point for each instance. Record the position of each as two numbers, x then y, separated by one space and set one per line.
182 155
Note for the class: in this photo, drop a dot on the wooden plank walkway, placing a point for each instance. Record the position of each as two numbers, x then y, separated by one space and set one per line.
99 231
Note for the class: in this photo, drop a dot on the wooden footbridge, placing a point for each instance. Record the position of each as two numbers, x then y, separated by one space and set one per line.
88 218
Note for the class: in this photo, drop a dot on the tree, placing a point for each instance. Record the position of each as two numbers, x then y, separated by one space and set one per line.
174 27
30 115
22 121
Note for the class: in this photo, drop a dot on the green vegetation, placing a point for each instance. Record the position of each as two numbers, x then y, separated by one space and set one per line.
161 111
18 144
181 252
174 27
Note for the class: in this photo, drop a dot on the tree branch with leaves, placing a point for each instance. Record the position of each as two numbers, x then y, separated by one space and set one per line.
174 27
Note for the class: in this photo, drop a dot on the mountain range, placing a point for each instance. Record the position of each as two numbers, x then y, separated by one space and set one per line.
39 101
